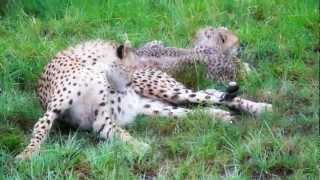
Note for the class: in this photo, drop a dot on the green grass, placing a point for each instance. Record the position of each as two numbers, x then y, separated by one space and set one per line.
282 43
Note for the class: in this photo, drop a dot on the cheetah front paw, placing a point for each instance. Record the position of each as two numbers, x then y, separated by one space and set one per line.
140 147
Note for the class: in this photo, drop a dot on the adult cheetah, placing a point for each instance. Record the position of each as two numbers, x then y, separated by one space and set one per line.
92 87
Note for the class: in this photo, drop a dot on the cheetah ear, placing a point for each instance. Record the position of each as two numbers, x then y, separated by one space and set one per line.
120 51
223 37
123 49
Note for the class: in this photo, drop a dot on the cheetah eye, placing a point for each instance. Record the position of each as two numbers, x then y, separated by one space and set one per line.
120 51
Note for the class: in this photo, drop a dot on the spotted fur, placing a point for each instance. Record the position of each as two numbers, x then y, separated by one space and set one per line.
217 48
91 87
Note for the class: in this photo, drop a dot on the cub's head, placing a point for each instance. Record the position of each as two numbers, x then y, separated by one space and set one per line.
220 38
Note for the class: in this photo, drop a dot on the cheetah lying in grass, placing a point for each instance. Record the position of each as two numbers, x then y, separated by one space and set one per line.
217 48
94 87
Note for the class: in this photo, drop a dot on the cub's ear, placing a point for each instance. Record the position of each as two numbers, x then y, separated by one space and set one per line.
120 51
223 37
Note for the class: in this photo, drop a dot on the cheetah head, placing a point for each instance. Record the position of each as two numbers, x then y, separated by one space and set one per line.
219 38
127 55
120 72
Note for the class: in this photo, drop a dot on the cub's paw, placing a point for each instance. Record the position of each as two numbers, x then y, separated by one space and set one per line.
155 43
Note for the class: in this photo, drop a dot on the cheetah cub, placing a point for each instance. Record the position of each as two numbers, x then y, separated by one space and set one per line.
217 48
91 87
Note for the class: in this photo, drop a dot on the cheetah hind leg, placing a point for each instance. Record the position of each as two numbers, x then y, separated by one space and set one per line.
39 134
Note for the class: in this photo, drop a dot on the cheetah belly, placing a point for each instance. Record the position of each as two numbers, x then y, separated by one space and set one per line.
130 106
81 115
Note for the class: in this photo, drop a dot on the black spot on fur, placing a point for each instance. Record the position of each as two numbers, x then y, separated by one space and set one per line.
147 106
57 111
